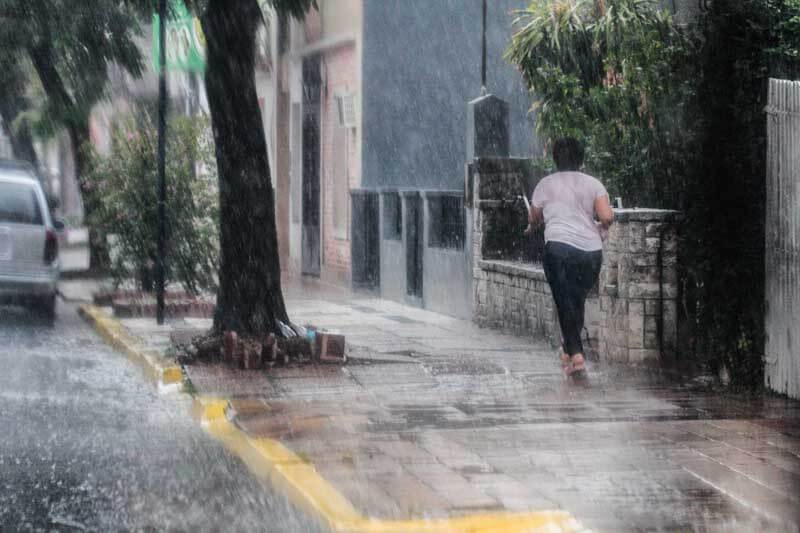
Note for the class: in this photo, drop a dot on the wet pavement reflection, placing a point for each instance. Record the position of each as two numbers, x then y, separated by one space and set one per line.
88 444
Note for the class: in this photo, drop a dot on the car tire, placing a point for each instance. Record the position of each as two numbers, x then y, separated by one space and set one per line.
46 307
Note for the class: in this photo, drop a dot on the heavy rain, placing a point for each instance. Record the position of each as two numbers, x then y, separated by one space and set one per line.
400 265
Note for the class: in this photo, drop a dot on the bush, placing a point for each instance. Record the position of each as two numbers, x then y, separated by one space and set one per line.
617 74
126 183
673 117
744 43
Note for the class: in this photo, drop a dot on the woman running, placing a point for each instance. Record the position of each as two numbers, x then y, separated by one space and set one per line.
576 212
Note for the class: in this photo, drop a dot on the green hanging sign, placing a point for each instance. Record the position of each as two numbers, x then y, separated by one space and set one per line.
186 43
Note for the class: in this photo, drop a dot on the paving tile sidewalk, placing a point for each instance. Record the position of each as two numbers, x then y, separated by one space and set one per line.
436 417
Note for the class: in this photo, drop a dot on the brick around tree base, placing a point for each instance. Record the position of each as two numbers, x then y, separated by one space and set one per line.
176 308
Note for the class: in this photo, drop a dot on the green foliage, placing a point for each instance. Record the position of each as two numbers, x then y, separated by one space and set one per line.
783 23
293 8
72 45
745 43
126 180
673 117
618 75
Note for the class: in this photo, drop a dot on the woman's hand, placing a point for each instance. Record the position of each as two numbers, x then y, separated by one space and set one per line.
535 218
603 230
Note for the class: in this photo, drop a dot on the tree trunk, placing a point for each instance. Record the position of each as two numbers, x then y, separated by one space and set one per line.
12 103
78 130
21 138
98 249
249 299
22 144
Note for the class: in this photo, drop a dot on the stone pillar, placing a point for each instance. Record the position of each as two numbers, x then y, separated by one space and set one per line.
488 128
639 287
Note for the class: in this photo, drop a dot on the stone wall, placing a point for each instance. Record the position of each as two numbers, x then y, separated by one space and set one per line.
514 297
637 285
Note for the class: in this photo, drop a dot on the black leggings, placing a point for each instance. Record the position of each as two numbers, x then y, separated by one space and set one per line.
571 274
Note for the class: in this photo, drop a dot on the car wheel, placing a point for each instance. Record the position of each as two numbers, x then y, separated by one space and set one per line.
46 307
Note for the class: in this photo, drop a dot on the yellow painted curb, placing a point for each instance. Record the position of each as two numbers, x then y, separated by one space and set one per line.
307 489
117 336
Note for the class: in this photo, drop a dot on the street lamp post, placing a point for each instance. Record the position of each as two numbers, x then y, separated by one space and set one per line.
483 51
162 187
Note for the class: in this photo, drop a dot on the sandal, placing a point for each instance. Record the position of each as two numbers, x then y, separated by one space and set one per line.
578 364
565 361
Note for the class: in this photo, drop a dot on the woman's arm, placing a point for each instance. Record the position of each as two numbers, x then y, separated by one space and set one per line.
535 218
602 207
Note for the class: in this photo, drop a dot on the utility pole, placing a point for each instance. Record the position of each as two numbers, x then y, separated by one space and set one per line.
483 51
162 152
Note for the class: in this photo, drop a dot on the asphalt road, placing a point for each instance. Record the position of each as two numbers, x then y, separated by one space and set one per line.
86 443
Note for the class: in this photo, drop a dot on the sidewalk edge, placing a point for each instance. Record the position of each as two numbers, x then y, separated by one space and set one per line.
163 374
270 460
299 480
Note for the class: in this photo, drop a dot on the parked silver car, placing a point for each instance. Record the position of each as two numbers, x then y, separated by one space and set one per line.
29 264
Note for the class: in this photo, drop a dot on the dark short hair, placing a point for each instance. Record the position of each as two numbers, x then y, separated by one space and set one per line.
568 153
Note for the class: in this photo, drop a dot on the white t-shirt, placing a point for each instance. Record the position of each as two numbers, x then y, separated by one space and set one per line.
567 200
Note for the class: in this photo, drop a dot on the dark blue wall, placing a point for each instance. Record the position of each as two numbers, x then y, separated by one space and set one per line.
421 66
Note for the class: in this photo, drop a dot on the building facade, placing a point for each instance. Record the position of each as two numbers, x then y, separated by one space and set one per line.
372 102
317 141
368 140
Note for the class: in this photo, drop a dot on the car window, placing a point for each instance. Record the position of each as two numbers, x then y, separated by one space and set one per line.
19 204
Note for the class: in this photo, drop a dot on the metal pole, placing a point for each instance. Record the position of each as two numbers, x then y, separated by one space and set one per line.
483 51
162 149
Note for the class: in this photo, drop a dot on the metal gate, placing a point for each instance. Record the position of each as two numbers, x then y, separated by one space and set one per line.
782 350
414 244
365 239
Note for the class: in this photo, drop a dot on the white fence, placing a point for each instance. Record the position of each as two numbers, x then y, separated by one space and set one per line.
782 351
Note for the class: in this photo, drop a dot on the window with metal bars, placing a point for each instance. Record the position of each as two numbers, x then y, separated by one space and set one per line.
392 217
446 221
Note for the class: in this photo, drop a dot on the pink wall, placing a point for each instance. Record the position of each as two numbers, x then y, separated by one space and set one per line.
340 67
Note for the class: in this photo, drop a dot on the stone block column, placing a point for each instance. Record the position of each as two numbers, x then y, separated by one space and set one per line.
639 287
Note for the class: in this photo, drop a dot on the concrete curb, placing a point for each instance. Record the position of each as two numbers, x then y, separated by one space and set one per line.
271 461
161 372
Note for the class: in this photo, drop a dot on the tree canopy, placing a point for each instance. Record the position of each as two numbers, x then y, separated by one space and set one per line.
70 46
673 116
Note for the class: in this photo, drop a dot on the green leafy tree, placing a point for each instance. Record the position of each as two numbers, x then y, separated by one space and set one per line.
615 74
674 117
249 297
70 46
745 43
125 178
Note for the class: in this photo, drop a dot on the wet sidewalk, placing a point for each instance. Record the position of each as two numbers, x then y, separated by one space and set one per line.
433 417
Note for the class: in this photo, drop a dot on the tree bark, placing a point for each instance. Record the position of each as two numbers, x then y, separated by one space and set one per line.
78 129
98 249
249 299
12 103
21 138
